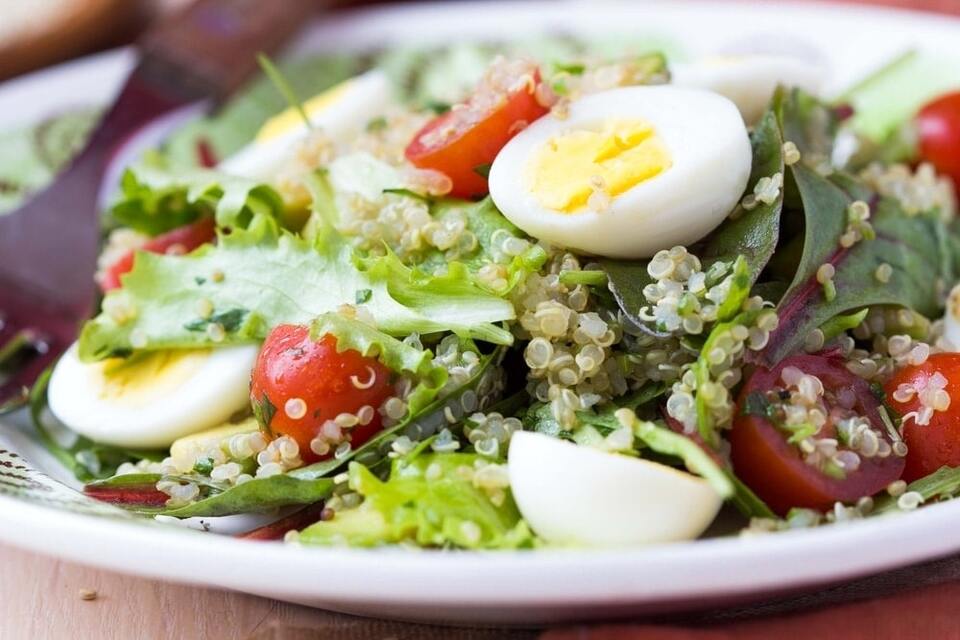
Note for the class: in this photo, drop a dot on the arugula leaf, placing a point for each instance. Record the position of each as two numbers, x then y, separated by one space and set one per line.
911 245
397 356
428 500
86 459
291 281
154 200
754 233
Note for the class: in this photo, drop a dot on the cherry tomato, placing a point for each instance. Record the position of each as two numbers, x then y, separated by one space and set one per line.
462 142
775 469
180 240
929 446
308 382
938 125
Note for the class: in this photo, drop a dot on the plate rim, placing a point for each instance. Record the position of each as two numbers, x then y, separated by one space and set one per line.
540 578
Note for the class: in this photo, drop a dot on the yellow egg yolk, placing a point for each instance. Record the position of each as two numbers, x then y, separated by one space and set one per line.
145 377
615 157
290 119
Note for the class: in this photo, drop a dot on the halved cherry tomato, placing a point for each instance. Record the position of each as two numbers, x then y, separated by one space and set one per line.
462 142
308 382
180 240
775 469
938 126
929 446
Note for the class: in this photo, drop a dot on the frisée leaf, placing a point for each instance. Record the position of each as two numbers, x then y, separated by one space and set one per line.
291 281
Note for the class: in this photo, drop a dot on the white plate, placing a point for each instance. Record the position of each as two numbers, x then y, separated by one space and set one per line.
530 587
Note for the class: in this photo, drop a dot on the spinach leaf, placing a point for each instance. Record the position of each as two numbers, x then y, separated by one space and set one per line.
257 495
911 245
753 233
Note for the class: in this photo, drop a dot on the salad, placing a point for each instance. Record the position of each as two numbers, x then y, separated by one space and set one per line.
475 301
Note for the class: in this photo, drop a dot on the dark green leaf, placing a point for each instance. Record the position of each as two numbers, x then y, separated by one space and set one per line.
908 244
754 233
257 495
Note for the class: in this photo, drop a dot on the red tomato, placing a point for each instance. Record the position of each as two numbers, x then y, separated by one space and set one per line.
462 142
936 444
775 469
938 124
180 240
308 383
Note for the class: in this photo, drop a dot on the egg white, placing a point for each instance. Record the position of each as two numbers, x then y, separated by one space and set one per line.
348 109
176 403
578 495
710 154
749 80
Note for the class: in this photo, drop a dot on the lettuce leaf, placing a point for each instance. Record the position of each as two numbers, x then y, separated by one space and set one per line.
257 278
153 200
396 355
428 499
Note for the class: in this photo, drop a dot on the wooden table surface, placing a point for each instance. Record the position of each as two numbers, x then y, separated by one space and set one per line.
40 598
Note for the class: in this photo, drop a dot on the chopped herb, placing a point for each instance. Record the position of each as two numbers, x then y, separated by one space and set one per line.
203 466
758 405
482 170
364 295
263 411
437 106
230 321
573 68
199 280
377 124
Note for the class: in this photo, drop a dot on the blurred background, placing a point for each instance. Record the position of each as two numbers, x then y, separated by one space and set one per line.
38 33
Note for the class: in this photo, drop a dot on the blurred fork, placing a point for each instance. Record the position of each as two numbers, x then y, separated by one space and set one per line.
48 247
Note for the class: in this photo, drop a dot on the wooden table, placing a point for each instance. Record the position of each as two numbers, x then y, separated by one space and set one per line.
40 598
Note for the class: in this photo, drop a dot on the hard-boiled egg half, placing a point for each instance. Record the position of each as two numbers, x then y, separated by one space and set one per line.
628 172
748 80
340 112
577 495
151 399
